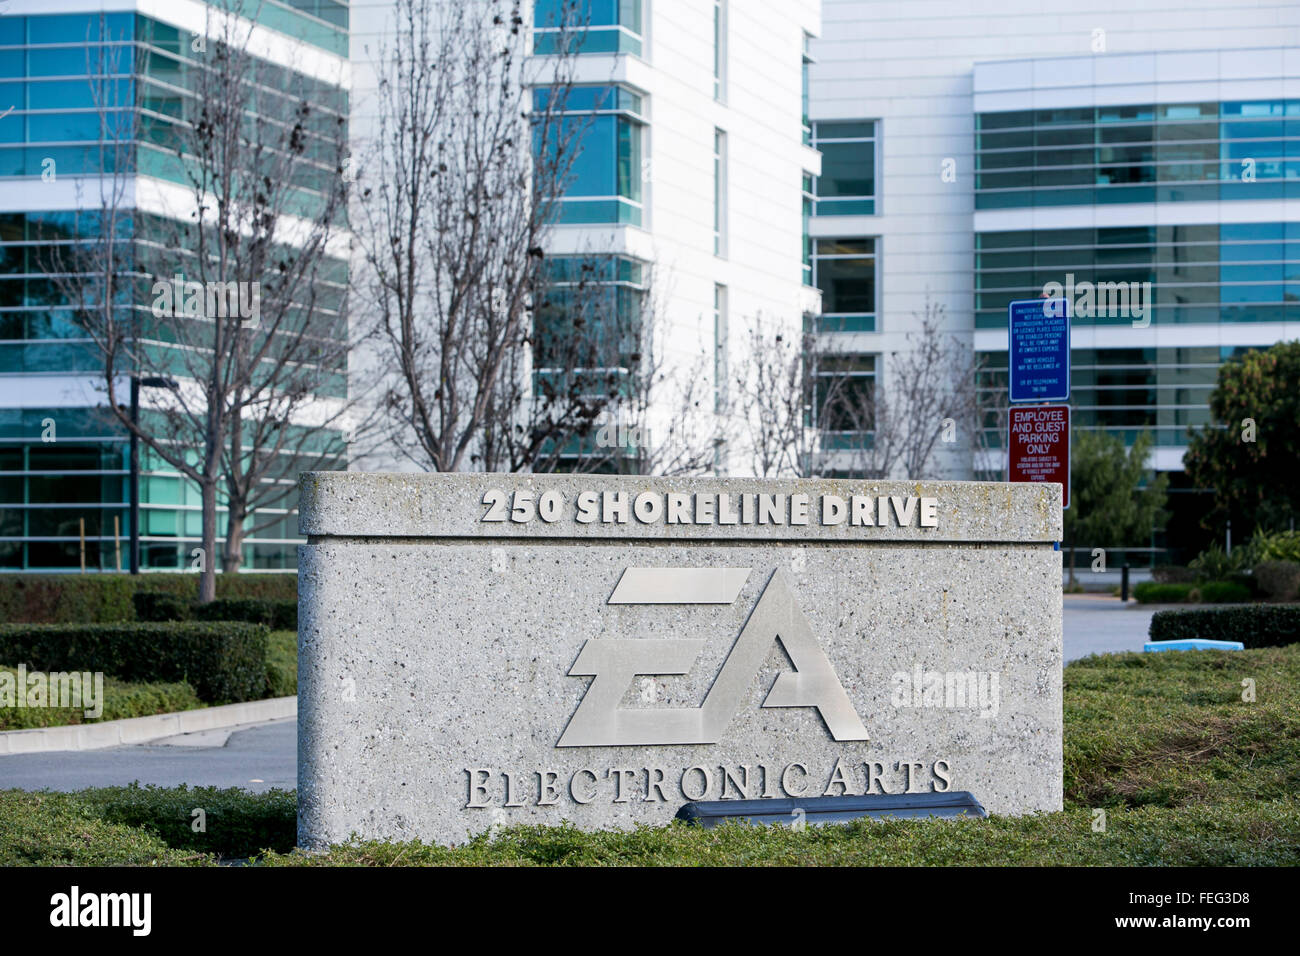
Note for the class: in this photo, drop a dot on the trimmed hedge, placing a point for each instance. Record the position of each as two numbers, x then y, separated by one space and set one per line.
66 598
160 606
1224 592
1255 625
121 700
109 598
1156 592
1211 592
277 615
225 662
236 823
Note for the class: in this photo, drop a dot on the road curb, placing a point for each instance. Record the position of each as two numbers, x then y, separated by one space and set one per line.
138 730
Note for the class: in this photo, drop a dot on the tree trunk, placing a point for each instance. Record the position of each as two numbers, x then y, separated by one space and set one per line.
232 557
208 567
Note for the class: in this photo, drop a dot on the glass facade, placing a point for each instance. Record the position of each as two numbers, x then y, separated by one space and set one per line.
604 183
845 272
594 26
83 81
847 184
96 94
1125 391
1125 154
844 387
1217 272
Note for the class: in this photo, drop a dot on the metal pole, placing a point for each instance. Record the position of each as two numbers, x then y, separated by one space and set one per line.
135 476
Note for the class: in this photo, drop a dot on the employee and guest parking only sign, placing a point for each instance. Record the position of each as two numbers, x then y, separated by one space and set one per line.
1038 435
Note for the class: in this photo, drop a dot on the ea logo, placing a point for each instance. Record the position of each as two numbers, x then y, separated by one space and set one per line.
600 721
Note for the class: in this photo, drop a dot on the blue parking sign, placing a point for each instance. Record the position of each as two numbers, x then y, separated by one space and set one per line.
1039 350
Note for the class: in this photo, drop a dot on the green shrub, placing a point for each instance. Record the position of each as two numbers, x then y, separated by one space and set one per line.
66 598
236 823
1224 592
1255 625
108 598
1153 592
270 587
224 661
282 664
122 699
1278 546
160 606
1279 580
1172 574
277 615
1214 564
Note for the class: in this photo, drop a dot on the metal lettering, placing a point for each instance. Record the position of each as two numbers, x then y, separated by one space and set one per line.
600 721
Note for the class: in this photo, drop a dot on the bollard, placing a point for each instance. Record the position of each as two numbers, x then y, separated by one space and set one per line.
1123 583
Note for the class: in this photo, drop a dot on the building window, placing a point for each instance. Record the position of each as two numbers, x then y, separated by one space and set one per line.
804 73
809 199
586 329
845 386
719 193
605 179
845 272
593 26
1166 152
719 49
1199 273
720 349
847 184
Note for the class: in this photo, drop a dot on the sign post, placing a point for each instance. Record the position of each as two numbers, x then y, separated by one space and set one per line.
1039 445
1038 435
1039 350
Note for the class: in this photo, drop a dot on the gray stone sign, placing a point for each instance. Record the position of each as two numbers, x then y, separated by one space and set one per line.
496 649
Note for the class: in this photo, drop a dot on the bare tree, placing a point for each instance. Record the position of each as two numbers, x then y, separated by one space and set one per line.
247 280
930 389
774 390
473 150
671 401
988 417
811 404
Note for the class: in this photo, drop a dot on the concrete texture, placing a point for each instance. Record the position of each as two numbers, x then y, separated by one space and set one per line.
435 672
359 505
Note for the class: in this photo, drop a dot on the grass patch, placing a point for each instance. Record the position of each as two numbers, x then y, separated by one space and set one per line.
1172 730
1188 772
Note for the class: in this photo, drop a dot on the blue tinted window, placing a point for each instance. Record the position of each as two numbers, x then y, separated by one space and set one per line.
62 61
12 65
78 27
63 126
1251 230
13 31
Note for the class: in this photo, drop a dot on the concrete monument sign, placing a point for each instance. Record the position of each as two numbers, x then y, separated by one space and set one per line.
480 649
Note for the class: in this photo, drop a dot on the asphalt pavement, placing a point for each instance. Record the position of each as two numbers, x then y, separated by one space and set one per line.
263 756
